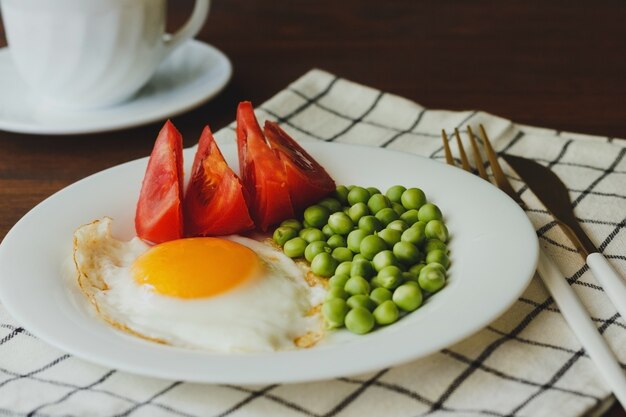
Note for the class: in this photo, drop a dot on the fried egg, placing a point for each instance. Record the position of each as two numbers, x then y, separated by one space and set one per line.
231 294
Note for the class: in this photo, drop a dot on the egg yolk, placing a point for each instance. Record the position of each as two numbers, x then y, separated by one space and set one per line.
195 267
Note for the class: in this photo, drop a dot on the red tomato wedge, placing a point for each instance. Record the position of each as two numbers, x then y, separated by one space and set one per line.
262 173
214 200
307 180
159 214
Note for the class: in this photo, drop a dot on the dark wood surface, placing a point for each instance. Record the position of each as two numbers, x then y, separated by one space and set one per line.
558 64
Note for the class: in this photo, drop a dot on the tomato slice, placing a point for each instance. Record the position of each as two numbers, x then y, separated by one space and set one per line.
262 173
214 200
307 180
159 213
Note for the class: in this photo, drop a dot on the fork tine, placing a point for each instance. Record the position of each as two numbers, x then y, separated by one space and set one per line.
446 147
501 181
478 160
464 161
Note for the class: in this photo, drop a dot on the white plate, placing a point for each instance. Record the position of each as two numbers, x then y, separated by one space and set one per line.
191 75
493 247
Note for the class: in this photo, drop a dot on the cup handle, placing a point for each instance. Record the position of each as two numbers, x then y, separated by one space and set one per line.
190 28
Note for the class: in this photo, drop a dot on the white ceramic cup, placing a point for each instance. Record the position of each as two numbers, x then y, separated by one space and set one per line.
91 53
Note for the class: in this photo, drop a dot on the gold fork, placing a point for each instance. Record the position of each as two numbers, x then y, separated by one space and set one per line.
572 309
501 181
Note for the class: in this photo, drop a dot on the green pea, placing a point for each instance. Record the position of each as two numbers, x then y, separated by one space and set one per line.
294 248
407 297
350 187
415 269
340 223
344 268
429 212
408 277
398 208
431 279
314 248
383 259
357 285
399 225
371 245
324 265
412 282
390 236
328 232
391 270
336 241
305 225
387 215
436 266
357 211
370 224
342 254
374 284
432 244
362 268
361 300
413 198
394 194
338 280
341 194
316 216
311 234
389 277
373 190
439 257
410 216
283 233
334 311
359 257
359 320
337 292
380 295
386 313
419 225
436 229
355 238
293 223
332 204
358 195
406 253
414 235
377 202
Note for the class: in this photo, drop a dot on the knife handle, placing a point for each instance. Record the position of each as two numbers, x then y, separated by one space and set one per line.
582 326
614 286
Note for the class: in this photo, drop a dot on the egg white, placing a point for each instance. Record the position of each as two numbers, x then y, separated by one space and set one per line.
267 312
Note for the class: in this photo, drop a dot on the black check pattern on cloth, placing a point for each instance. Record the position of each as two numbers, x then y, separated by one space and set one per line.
526 363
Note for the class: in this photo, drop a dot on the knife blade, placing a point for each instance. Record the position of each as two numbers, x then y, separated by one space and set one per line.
549 188
551 191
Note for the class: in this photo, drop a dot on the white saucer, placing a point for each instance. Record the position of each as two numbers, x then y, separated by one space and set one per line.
191 75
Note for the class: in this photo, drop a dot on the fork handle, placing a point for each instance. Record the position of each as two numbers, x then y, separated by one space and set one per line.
582 326
614 286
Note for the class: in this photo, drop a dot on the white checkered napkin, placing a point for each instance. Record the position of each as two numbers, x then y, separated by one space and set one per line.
526 363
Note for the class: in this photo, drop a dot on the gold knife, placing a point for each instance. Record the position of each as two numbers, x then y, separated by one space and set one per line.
547 186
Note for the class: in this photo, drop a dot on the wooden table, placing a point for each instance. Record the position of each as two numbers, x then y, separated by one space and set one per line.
558 64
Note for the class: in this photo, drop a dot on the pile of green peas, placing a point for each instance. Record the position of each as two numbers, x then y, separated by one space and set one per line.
383 253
